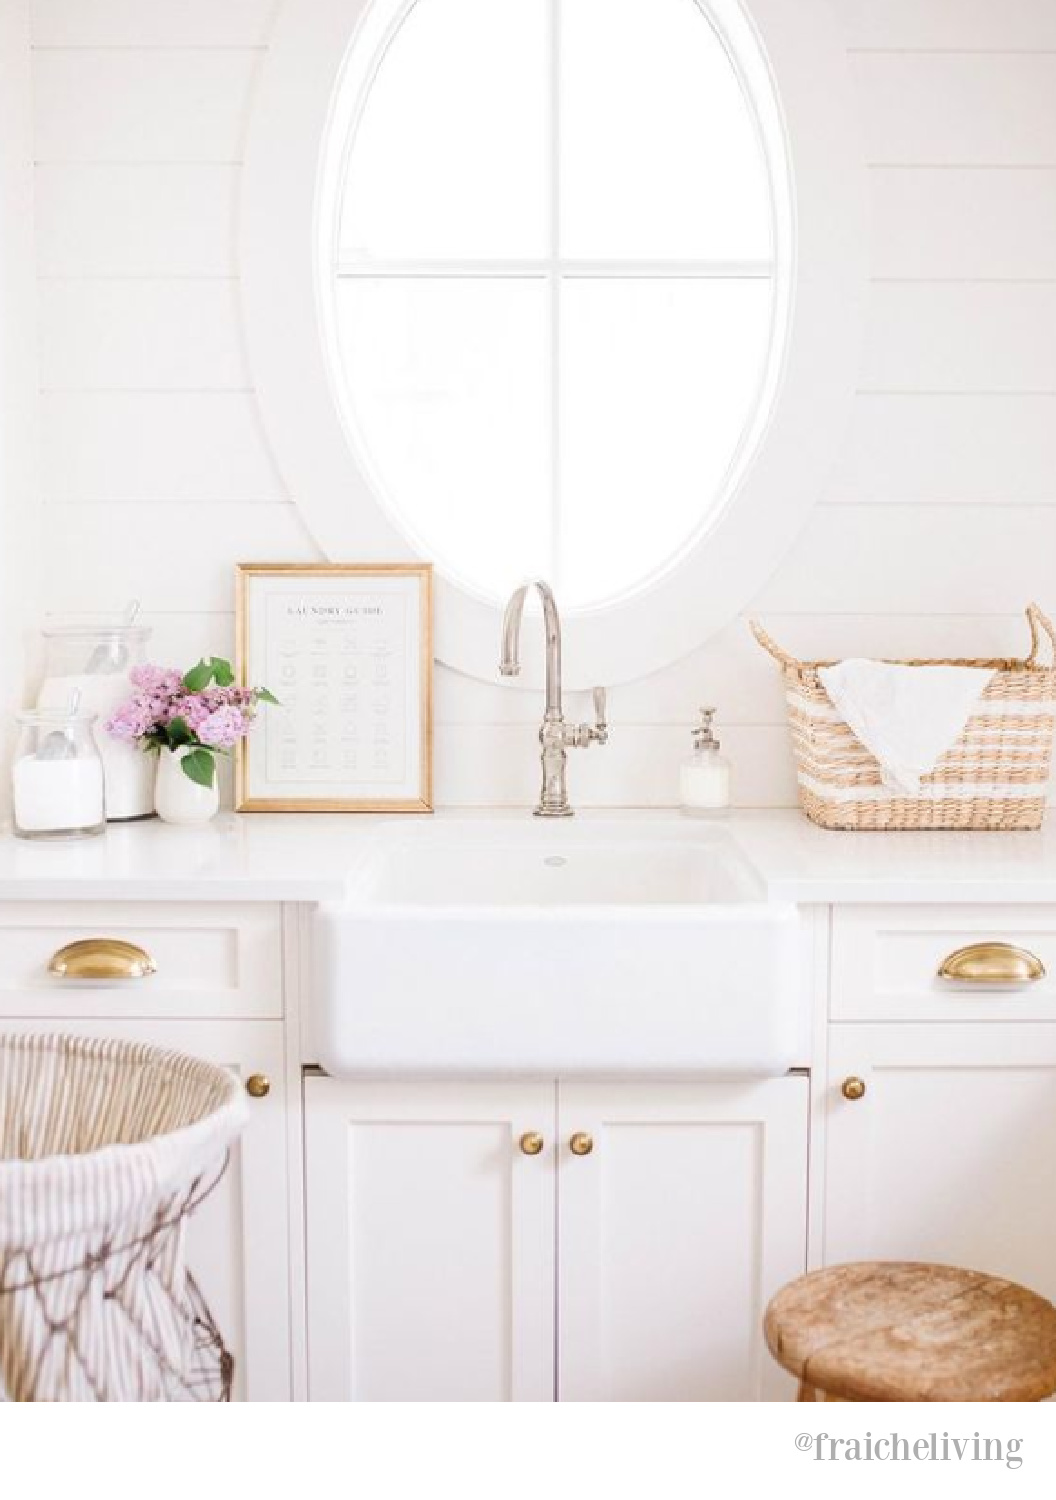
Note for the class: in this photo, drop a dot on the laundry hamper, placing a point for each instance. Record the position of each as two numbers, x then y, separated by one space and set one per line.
994 777
106 1149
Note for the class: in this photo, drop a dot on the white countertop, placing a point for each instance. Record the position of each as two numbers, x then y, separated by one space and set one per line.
801 862
302 857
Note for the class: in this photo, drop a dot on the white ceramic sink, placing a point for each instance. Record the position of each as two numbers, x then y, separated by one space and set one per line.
520 946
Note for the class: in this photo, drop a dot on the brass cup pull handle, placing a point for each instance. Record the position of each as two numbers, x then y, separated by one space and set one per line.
101 958
993 964
531 1143
258 1085
853 1088
581 1144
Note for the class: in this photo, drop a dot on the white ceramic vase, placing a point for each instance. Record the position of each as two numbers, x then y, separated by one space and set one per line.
177 798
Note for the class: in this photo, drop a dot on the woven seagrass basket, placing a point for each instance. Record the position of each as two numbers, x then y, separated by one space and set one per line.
995 776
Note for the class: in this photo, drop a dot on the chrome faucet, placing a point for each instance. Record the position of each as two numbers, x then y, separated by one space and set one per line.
555 736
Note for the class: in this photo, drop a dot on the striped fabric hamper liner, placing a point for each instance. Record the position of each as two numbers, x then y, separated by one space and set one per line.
106 1149
994 777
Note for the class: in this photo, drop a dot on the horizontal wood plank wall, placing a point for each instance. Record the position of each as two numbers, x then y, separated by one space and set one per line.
939 520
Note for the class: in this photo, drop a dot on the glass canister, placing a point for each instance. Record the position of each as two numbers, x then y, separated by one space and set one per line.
93 656
57 775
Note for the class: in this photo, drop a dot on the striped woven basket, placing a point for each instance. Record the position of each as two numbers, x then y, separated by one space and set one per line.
995 776
106 1150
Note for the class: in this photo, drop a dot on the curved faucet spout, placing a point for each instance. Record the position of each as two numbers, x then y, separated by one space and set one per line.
510 665
556 737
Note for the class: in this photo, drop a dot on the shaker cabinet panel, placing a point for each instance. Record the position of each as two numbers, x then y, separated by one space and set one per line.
207 959
949 1154
241 1236
685 1216
430 1241
886 962
629 1260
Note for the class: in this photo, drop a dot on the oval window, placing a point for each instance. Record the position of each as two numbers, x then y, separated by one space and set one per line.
555 283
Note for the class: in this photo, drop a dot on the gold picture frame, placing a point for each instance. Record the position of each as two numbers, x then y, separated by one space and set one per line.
352 646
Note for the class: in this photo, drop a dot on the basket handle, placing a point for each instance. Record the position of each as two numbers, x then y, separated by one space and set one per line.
770 646
1039 623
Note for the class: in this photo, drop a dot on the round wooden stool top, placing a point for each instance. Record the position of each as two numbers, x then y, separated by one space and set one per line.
905 1331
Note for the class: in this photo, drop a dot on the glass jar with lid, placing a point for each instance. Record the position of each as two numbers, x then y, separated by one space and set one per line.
57 775
92 656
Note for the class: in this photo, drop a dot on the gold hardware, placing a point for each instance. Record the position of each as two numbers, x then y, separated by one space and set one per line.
101 958
581 1144
992 963
852 1088
258 1085
531 1143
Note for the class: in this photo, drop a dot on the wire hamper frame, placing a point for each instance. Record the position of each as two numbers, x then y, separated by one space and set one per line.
107 1148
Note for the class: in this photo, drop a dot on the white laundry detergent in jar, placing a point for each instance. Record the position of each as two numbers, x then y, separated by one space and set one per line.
92 657
57 775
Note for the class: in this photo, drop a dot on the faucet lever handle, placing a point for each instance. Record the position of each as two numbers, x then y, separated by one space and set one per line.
600 733
597 733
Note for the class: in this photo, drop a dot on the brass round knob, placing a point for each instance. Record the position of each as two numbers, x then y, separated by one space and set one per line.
852 1088
258 1085
531 1143
581 1144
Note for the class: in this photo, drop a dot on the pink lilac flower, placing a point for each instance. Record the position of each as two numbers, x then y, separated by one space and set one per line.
191 708
145 677
223 727
216 716
228 697
162 682
131 720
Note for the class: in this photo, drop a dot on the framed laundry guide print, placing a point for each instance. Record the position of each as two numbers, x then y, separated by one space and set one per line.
347 650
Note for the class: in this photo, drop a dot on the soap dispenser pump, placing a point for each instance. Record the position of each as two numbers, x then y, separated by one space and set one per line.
705 775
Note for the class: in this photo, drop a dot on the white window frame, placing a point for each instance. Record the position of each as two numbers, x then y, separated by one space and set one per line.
290 184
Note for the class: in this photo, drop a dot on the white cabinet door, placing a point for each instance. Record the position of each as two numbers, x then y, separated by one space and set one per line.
240 1238
686 1216
238 1244
950 1154
430 1241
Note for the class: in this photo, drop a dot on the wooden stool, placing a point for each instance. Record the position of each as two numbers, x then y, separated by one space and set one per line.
905 1331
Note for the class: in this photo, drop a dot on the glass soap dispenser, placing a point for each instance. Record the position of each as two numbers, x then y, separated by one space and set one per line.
705 775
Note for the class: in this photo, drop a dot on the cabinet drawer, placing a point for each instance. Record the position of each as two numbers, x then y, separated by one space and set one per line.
886 960
220 959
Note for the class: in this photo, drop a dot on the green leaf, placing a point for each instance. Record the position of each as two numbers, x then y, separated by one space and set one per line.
180 733
222 673
199 766
198 677
266 697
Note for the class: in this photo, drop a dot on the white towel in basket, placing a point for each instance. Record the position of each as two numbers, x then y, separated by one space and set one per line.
908 717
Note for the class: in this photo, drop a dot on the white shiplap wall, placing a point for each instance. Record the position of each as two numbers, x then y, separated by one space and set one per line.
940 518
20 549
